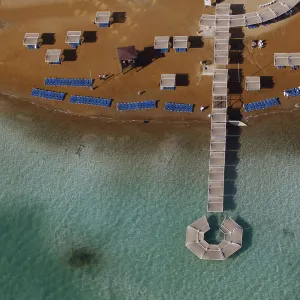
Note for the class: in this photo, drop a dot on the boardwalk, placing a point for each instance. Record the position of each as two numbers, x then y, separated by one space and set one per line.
233 233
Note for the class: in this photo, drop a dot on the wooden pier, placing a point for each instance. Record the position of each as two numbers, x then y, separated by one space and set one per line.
217 142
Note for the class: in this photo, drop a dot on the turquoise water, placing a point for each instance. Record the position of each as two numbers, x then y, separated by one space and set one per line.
125 200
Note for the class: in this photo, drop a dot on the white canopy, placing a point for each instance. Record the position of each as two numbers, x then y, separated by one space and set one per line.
167 80
53 55
31 39
102 17
286 59
252 83
73 37
180 42
161 42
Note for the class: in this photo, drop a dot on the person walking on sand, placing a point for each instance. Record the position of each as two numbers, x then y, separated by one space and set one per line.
104 76
202 108
100 76
139 93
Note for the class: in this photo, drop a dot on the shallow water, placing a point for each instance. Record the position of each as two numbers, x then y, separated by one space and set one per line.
124 199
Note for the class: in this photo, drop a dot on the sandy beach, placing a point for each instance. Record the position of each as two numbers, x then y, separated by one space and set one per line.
22 69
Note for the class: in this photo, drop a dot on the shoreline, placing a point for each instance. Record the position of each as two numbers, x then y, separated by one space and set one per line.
44 109
22 69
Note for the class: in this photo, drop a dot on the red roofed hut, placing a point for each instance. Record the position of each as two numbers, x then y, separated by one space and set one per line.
127 57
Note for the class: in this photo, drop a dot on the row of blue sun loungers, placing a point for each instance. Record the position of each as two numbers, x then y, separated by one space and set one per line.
177 107
48 94
69 82
137 105
104 102
261 104
292 92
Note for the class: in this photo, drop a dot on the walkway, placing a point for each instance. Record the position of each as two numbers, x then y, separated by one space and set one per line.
223 18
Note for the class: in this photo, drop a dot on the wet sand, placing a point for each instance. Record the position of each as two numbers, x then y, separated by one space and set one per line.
22 69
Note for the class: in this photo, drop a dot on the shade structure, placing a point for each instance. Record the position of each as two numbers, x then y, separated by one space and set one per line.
252 83
267 14
161 42
220 75
222 33
219 102
286 59
216 173
219 88
102 18
127 57
53 56
167 81
73 37
221 45
222 18
31 39
207 20
237 21
218 130
221 57
231 243
127 53
219 115
180 42
223 9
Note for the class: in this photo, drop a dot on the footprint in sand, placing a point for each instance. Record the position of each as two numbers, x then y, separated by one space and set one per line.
77 12
123 39
103 6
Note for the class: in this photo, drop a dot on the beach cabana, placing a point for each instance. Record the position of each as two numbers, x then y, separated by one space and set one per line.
161 43
180 43
252 83
167 81
31 40
102 19
286 59
74 38
127 57
53 56
294 59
